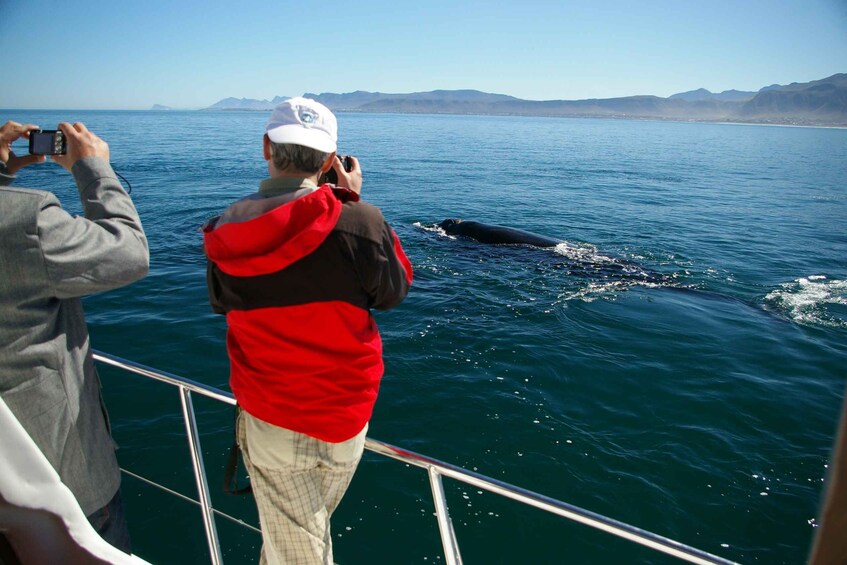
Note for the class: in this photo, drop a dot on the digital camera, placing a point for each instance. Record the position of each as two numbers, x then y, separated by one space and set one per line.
47 142
331 176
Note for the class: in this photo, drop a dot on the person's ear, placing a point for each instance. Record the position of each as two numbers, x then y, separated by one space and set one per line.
328 163
266 147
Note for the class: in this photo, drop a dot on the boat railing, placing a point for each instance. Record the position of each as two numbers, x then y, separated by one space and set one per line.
435 469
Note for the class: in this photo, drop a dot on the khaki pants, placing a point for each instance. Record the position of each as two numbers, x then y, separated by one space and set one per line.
298 482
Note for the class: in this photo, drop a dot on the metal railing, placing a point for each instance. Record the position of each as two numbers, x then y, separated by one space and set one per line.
435 469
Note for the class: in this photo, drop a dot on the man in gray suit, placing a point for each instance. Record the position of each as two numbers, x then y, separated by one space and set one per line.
48 260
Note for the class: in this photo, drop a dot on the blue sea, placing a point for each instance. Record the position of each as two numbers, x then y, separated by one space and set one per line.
678 363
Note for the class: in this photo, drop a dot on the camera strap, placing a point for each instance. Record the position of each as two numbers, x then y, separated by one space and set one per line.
230 482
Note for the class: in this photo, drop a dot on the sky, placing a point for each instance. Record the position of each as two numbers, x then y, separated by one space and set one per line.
117 54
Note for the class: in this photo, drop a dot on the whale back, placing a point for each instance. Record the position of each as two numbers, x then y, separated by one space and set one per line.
491 234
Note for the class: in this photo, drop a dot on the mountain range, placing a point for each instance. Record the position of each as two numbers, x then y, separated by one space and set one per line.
820 102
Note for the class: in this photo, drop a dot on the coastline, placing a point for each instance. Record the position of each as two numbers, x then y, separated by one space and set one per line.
788 122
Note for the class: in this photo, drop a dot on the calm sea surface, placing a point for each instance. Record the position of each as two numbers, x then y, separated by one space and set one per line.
678 364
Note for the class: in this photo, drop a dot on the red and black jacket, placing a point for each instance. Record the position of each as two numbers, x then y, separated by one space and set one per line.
297 284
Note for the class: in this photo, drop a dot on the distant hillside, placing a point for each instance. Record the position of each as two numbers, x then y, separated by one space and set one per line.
817 101
349 101
820 102
360 100
702 94
246 104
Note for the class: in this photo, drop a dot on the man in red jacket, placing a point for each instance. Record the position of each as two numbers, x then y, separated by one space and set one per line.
296 268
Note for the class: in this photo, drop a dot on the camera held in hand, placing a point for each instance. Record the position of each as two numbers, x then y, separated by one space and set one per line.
47 142
331 176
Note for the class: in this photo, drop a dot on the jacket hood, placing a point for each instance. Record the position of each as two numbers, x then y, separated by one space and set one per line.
274 239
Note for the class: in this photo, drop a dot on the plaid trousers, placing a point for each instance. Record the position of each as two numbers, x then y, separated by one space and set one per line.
298 482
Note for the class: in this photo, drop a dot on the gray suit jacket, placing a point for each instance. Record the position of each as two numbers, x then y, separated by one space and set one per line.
48 260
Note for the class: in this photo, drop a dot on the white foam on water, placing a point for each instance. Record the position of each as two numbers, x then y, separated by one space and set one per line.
596 290
435 228
585 253
608 276
807 300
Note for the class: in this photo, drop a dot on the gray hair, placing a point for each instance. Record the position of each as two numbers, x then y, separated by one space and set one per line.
297 158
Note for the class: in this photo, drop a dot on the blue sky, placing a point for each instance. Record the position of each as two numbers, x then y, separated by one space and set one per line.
190 54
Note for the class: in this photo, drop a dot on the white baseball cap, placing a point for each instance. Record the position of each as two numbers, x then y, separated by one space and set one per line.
303 121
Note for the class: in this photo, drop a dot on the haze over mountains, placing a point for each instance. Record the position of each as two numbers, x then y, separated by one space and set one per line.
820 102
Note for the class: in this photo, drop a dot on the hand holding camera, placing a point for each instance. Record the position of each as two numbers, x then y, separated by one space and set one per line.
80 143
65 145
331 176
10 132
345 172
47 142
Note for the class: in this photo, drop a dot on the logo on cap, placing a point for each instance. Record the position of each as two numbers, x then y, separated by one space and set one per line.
307 115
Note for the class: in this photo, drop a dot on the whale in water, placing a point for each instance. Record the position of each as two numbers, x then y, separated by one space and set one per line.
487 233
579 261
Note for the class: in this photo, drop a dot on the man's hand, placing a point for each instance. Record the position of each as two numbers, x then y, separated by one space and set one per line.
81 143
12 131
351 179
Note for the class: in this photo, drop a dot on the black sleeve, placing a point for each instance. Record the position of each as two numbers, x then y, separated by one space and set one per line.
382 272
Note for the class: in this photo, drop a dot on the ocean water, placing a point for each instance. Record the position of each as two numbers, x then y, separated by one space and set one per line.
678 363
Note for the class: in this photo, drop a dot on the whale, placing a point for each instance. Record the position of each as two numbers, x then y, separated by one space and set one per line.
488 233
578 261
